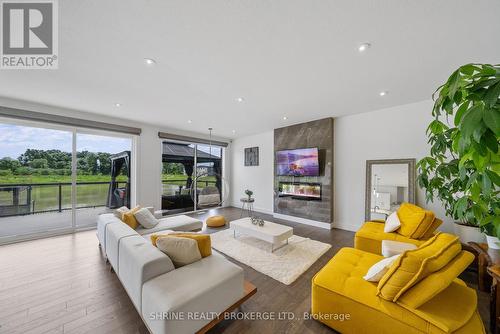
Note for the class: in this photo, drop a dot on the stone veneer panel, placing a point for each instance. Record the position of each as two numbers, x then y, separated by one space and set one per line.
311 134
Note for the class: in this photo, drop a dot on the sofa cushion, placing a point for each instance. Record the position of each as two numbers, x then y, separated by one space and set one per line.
182 251
392 223
146 218
378 270
432 228
369 238
139 261
176 223
436 282
207 286
414 265
203 240
129 217
414 220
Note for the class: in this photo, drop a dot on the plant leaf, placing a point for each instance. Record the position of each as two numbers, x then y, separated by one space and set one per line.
460 112
491 97
494 177
491 118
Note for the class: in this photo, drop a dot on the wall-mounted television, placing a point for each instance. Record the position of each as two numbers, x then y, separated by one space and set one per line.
297 162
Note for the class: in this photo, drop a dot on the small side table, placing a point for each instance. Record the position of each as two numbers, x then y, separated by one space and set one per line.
248 202
485 258
494 272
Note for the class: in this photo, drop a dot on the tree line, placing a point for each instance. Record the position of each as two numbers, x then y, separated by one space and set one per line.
55 162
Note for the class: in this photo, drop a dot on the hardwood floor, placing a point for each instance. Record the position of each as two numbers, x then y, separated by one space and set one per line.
62 285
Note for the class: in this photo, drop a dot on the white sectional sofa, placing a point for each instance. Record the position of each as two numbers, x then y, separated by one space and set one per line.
169 300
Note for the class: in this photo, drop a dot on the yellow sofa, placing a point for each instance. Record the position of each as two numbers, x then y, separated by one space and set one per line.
344 301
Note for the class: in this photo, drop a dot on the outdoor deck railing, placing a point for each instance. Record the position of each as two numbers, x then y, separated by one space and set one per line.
30 198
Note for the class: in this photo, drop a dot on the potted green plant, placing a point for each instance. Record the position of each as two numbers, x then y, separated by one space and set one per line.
249 193
463 168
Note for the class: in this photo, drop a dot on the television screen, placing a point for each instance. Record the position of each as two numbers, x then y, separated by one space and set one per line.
298 162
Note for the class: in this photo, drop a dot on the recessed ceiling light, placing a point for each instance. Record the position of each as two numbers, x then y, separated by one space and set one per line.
190 121
234 131
383 93
118 105
240 99
149 61
285 118
363 47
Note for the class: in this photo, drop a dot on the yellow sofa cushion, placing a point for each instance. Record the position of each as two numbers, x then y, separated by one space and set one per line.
129 218
203 240
436 282
369 238
432 228
415 221
414 265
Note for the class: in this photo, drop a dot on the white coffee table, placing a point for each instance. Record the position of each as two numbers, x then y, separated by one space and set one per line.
273 233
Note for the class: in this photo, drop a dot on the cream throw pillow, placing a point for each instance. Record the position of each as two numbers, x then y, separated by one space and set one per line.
120 211
146 218
379 269
392 223
181 251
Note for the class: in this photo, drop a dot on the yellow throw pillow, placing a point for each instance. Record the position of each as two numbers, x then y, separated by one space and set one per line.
436 282
433 227
415 221
129 218
414 265
203 240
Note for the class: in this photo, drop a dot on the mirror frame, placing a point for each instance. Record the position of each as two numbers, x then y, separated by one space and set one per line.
411 179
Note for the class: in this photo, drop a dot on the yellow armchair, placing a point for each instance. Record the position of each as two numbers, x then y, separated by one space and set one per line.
344 301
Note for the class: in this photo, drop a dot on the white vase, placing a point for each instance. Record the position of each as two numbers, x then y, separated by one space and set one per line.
468 233
493 242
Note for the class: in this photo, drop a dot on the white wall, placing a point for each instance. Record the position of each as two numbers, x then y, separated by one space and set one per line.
259 179
148 159
392 133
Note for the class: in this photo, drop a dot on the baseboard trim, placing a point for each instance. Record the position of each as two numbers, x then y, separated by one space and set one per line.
304 221
256 209
346 227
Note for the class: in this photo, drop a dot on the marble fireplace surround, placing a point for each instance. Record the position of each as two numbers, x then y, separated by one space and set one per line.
318 134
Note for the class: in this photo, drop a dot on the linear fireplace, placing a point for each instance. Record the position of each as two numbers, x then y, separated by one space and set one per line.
300 190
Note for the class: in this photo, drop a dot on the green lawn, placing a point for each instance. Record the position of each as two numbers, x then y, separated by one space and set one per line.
47 197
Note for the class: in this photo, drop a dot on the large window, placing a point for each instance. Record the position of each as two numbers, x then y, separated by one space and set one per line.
191 177
57 179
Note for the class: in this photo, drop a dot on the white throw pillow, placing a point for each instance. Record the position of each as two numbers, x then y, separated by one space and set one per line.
146 218
379 269
120 211
181 251
392 223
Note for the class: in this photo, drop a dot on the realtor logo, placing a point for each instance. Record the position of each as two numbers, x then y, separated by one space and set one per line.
29 38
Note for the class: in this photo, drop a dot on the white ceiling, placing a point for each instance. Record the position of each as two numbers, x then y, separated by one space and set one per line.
285 57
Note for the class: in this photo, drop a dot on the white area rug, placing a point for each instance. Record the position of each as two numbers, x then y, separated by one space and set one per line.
286 264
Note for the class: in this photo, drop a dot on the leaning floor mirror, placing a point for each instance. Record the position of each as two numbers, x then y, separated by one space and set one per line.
388 184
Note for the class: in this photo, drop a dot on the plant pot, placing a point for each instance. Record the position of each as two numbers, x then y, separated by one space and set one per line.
493 242
468 233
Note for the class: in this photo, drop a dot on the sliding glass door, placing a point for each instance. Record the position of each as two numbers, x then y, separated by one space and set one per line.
102 175
55 179
191 177
35 180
